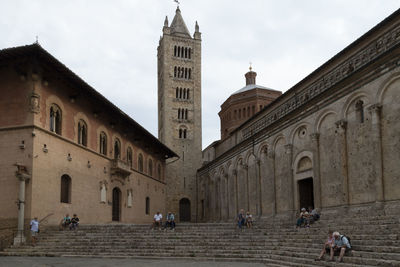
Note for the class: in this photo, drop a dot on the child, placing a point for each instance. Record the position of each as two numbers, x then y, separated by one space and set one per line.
249 220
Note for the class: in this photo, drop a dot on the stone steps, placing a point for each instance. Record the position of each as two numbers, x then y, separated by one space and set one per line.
375 240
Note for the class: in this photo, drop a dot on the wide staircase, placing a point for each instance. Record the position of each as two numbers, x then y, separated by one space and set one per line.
375 241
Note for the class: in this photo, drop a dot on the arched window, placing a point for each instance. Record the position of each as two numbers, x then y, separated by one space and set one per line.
240 113
186 73
179 51
82 133
140 162
150 168
190 74
117 149
360 111
55 119
190 52
179 113
103 143
180 93
186 52
184 134
129 156
248 111
182 52
175 51
177 92
187 94
159 171
253 110
186 114
175 71
65 196
147 210
180 133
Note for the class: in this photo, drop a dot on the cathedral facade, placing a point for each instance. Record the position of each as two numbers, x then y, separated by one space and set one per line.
329 142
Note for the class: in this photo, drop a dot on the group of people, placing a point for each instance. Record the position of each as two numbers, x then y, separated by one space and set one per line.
244 219
307 217
68 222
336 244
169 221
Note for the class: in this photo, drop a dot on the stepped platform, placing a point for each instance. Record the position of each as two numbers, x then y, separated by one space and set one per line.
375 241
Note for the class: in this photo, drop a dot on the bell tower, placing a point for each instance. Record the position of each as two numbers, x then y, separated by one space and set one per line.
179 112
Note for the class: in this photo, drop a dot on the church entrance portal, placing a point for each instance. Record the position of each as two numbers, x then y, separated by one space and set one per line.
306 192
116 204
184 210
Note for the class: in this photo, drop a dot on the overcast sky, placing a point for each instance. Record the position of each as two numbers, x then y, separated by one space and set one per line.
112 44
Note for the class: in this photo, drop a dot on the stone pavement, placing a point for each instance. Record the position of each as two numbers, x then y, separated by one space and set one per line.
101 262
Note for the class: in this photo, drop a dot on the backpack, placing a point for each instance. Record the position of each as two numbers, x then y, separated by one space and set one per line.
348 238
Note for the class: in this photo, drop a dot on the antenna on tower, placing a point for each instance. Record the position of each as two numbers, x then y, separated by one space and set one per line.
37 40
177 3
250 68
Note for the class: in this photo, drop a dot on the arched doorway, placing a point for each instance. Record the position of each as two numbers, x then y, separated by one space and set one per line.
306 193
184 210
116 204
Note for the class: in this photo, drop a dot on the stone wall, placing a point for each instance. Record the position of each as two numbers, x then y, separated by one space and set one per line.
336 129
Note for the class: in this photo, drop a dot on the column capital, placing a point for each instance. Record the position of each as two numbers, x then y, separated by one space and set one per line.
22 172
314 136
289 148
375 108
341 124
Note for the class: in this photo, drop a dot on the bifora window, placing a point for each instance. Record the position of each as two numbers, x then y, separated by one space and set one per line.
55 119
140 162
117 149
65 189
103 143
129 156
82 133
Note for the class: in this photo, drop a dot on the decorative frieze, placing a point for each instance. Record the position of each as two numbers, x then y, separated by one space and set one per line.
376 48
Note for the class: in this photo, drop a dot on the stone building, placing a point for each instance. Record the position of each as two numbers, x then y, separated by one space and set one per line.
179 112
64 148
244 103
331 141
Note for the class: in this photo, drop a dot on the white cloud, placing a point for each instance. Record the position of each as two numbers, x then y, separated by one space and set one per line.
112 44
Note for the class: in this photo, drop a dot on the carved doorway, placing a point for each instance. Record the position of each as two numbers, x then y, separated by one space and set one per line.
306 193
184 210
116 204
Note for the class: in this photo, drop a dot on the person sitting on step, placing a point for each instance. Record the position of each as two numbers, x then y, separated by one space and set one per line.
170 221
157 220
327 245
249 220
74 222
241 219
65 222
341 245
314 216
303 218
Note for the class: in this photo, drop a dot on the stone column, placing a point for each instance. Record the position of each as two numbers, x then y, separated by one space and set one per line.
246 168
271 155
259 191
235 172
375 111
226 196
289 153
316 169
341 127
20 238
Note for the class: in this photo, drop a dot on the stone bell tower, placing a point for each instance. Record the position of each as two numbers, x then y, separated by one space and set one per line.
179 112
